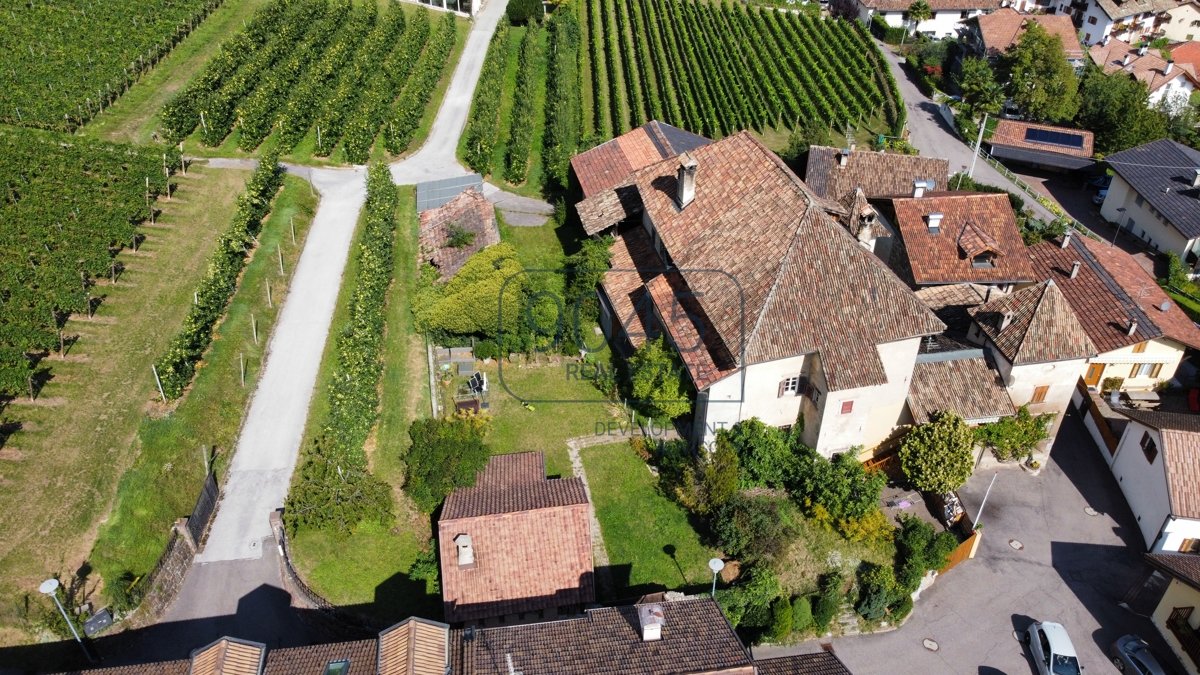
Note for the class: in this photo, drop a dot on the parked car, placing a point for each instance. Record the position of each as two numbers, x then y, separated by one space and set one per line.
1051 648
1099 198
1101 182
1131 654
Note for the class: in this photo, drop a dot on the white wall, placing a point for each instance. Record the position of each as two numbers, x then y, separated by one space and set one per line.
1177 92
726 403
876 410
1176 530
943 24
1120 362
1145 224
1184 25
1021 382
1144 484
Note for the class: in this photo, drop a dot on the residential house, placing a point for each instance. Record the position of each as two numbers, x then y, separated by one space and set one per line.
1042 146
453 232
1165 79
688 636
775 309
1183 22
607 165
515 544
1176 616
1038 345
956 237
1188 53
991 35
947 20
1157 466
1140 334
1129 20
1155 196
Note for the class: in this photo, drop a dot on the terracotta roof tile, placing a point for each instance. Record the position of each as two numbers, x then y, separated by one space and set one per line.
511 483
1183 566
1150 68
414 647
314 659
951 302
1181 455
1187 52
606 166
1119 9
471 212
1042 328
229 656
1002 29
965 386
971 224
1012 133
818 663
703 353
177 667
634 263
878 174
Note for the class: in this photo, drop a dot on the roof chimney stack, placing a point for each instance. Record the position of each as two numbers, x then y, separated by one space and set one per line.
919 187
466 552
1169 67
1067 239
1006 320
652 619
1105 40
844 155
685 180
1075 269
1132 327
1143 49
1127 59
934 222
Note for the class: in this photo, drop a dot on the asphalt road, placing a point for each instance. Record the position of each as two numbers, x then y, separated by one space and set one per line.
1071 567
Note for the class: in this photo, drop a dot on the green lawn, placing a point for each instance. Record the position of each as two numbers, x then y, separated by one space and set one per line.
641 526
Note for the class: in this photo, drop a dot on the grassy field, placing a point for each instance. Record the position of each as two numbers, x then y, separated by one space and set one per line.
642 528
165 480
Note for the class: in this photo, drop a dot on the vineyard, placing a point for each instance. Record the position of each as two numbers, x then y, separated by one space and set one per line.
64 62
69 207
332 75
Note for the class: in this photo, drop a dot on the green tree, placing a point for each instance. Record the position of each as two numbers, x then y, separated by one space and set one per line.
1182 119
445 454
487 291
657 381
980 91
755 527
766 455
1114 107
521 12
721 473
840 486
1014 437
936 456
919 11
1041 81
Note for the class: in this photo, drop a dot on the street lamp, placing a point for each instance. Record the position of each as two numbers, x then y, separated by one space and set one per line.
50 587
716 565
1120 215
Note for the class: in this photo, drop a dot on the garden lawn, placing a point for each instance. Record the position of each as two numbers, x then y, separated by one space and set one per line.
641 525
816 550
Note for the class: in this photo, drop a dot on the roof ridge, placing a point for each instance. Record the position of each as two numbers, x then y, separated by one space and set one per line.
1034 314
792 245
1129 305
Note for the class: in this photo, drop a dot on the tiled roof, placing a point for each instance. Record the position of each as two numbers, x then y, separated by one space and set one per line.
818 663
1187 52
951 302
229 656
935 5
1183 566
1119 9
607 165
770 271
860 213
1150 68
471 212
696 638
702 351
971 224
879 174
1002 28
414 647
1043 326
1162 172
1012 133
314 659
1181 454
512 483
177 667
965 386
1110 290
634 263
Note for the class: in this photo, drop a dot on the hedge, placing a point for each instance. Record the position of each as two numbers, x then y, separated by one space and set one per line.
481 129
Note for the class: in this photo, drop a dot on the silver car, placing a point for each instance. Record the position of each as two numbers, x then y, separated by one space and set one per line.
1131 654
1051 648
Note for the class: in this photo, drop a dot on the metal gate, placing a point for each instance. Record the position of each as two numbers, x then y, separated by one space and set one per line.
206 506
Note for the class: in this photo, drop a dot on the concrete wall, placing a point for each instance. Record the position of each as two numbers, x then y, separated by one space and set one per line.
164 582
1140 221
1184 25
1143 483
1119 363
945 23
1175 531
728 402
875 410
1178 594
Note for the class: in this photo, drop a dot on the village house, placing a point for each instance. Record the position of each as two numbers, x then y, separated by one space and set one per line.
991 35
1165 79
1042 146
1155 196
453 232
1176 616
1188 53
1139 333
775 309
1183 22
946 22
1129 20
515 544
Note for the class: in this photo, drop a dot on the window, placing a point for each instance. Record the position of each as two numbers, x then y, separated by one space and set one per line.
1139 348
340 667
1092 20
1149 448
985 259
1039 394
847 407
1145 370
1087 38
1190 546
1139 201
790 386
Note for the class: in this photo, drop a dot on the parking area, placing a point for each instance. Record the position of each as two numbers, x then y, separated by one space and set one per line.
1044 556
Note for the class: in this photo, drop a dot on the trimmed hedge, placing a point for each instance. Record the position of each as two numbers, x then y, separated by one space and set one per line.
406 114
564 107
521 131
481 129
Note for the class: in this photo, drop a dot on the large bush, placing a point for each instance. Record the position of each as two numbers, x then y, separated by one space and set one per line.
781 619
802 613
840 488
521 12
1014 437
766 455
749 603
876 590
755 527
919 549
829 600
937 456
485 297
445 454
657 381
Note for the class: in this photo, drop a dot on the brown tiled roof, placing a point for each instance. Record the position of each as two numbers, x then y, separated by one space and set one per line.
1183 566
1119 9
229 656
634 263
696 638
935 5
971 223
951 302
878 174
1187 53
177 667
703 353
472 212
818 663
1012 133
965 386
1181 455
313 659
414 647
608 165
1150 69
1002 28
512 483
859 212
1043 327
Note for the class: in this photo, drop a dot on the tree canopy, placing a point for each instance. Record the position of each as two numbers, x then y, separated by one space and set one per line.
445 454
1114 108
1041 80
765 454
980 91
936 456
488 291
657 381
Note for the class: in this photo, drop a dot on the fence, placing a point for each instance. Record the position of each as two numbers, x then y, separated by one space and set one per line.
206 506
967 548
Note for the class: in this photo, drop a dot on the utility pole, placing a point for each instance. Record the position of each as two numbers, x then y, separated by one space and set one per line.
979 513
978 145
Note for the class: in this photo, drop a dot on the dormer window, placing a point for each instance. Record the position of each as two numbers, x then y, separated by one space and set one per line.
985 260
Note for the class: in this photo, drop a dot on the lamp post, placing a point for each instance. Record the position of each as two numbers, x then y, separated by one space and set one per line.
50 587
716 565
1121 212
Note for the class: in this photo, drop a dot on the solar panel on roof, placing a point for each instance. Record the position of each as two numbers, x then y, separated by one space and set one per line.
1048 137
433 194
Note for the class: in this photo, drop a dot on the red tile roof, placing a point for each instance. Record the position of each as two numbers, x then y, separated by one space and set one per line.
1002 29
1012 133
469 211
314 659
513 483
818 663
1181 454
414 647
1042 326
1150 68
1187 52
634 263
607 165
972 223
878 174
965 386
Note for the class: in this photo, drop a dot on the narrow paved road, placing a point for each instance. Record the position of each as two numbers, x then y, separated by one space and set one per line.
934 137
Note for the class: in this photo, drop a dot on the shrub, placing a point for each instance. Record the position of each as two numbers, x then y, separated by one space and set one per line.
459 237
781 619
425 568
766 456
445 454
471 302
640 448
919 549
901 608
889 34
802 613
937 456
1111 383
877 588
756 528
521 12
749 604
829 600
486 349
125 592
657 380
872 529
1176 273
1014 437
841 486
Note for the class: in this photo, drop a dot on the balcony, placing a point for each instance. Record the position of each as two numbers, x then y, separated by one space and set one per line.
1188 637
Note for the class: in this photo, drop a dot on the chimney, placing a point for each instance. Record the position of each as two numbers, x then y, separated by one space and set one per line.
1132 327
919 187
934 222
1006 320
844 154
466 553
1196 179
652 620
1067 238
1075 269
1142 50
1105 40
1169 67
685 180
1127 59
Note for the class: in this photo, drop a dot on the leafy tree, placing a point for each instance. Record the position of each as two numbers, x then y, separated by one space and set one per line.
919 549
657 380
936 456
585 270
1013 437
755 527
1114 107
809 132
521 12
445 454
1182 119
781 619
980 91
1041 81
488 290
721 472
754 596
919 11
765 454
840 487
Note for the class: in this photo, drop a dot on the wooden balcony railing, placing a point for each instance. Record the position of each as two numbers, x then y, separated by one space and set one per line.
1188 637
